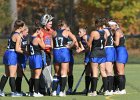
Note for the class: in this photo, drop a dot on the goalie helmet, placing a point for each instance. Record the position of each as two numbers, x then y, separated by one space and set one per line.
46 18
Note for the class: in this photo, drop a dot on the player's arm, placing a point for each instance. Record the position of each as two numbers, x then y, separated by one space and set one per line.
81 48
106 35
89 43
117 38
73 38
53 35
41 41
18 44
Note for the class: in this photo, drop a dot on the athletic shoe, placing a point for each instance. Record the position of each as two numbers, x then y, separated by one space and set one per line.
122 91
21 93
89 94
110 93
62 94
15 94
37 94
92 93
69 91
116 91
2 94
106 93
54 93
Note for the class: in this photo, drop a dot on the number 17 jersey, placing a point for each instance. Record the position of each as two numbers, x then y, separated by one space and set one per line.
61 54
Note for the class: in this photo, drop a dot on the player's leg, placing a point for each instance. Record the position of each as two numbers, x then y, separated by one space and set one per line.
56 79
109 72
70 77
37 73
3 81
121 77
94 79
122 57
87 77
19 79
12 71
63 79
104 76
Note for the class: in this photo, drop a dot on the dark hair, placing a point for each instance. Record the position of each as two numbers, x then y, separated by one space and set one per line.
99 23
18 24
33 29
105 21
61 23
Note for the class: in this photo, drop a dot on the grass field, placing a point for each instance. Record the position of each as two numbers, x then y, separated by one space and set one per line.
132 86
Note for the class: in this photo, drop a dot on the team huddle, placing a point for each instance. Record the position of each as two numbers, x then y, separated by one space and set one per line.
104 49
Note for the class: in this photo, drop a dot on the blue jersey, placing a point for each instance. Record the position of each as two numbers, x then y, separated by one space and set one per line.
61 53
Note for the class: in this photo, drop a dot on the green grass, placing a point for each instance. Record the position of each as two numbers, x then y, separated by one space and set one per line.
132 86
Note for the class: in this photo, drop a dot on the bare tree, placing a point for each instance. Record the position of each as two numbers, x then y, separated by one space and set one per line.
13 5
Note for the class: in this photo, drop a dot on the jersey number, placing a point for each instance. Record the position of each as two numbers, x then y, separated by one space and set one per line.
111 40
8 47
59 41
31 50
102 45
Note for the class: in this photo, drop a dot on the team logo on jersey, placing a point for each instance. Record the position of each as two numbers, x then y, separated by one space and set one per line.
48 41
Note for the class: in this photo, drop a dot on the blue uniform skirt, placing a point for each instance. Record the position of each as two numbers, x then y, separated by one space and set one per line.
110 54
10 57
98 60
35 61
22 60
122 54
87 57
61 55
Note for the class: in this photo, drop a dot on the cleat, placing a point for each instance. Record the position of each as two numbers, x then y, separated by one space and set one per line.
122 91
37 94
92 93
54 93
2 94
69 91
15 94
62 94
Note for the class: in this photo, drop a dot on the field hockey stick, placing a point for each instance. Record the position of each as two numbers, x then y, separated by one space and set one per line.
26 78
77 85
100 91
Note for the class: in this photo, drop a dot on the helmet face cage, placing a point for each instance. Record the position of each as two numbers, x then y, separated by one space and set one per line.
45 19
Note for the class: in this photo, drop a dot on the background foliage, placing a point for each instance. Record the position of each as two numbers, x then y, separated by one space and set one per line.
5 18
77 13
